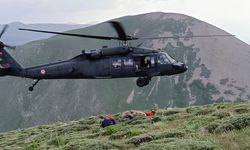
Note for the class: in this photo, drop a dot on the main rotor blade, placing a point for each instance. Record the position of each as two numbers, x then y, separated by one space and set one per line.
119 29
72 34
3 30
176 37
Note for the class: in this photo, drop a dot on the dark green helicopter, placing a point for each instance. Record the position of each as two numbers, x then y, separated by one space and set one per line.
104 63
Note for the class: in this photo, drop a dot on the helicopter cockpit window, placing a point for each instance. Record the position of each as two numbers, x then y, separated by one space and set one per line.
162 59
117 63
147 62
170 58
128 62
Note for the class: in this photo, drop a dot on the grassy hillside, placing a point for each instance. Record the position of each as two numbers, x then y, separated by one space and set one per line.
215 126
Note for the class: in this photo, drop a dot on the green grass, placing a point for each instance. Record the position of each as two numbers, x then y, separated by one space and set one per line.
210 127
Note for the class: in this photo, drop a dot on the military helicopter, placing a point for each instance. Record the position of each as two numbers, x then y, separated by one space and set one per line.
104 63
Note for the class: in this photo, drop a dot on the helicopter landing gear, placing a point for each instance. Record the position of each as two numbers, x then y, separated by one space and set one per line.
141 82
31 88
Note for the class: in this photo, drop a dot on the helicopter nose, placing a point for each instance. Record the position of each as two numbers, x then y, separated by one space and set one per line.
179 67
185 67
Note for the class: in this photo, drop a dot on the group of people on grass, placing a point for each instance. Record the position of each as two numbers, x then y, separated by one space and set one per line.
109 120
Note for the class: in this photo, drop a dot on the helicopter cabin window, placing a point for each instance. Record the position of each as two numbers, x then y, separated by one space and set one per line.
162 59
145 62
128 62
152 61
117 63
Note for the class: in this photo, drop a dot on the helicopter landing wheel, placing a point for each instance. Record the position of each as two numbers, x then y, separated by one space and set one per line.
31 88
141 82
146 82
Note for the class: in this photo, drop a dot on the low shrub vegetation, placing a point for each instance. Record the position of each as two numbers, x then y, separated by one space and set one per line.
171 112
221 114
241 110
178 144
212 126
57 141
215 126
234 123
140 139
170 134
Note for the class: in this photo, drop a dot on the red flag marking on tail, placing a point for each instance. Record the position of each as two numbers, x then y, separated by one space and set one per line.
43 72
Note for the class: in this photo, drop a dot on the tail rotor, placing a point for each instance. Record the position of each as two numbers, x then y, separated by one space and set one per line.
8 65
2 45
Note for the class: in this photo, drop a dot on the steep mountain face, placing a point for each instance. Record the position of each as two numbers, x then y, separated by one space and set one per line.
218 71
14 36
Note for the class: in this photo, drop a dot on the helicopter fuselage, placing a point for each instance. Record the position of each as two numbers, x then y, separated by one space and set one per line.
105 63
133 64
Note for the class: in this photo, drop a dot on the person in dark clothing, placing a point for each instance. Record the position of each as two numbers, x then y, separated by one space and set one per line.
107 121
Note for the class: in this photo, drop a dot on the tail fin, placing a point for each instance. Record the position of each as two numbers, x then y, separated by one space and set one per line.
8 66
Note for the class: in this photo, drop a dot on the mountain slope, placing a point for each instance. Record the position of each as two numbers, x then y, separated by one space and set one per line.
218 71
210 127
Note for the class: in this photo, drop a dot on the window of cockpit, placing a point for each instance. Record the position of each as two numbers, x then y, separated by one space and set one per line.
170 58
162 59
117 63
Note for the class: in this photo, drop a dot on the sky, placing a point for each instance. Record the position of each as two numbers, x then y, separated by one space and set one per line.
230 15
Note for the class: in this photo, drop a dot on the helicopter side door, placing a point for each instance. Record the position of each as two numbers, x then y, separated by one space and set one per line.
116 66
122 67
145 65
103 68
128 66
